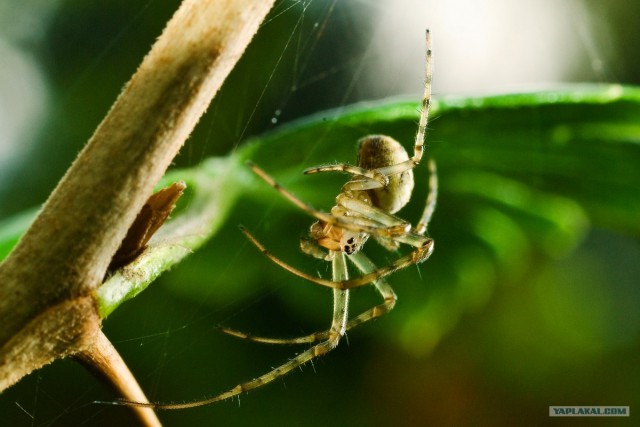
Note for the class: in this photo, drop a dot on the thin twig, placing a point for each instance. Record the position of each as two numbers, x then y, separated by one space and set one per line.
105 361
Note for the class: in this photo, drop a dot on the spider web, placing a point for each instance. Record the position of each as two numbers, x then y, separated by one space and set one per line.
283 94
320 55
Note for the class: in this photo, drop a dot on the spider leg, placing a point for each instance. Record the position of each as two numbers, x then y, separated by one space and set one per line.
305 339
418 147
337 331
430 206
386 221
311 247
366 266
417 256
382 217
381 223
352 224
374 179
389 221
291 269
426 103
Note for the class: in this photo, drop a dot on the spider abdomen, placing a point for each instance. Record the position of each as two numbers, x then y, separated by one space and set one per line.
379 151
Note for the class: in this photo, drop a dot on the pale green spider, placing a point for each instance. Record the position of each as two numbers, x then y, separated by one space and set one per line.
382 184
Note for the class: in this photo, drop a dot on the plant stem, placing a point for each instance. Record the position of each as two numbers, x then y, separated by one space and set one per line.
63 256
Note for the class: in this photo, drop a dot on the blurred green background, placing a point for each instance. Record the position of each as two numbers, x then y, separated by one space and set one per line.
523 305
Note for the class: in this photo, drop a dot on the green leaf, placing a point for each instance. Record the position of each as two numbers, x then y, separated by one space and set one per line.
522 178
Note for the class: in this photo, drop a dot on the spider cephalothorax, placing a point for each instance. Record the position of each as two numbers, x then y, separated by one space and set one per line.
335 238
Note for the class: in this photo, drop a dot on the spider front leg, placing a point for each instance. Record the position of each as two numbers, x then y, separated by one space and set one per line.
372 178
353 224
418 146
424 248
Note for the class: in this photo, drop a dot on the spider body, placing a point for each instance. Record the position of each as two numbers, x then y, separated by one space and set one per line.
374 152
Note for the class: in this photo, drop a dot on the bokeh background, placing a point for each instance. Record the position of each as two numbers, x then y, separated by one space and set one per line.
566 332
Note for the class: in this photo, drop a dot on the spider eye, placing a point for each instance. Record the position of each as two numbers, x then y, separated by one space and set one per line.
350 242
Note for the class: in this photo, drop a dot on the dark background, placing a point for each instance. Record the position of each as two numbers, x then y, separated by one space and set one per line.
569 335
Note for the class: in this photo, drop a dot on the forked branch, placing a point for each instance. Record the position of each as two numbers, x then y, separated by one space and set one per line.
47 282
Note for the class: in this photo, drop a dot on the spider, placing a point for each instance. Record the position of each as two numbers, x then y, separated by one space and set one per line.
381 185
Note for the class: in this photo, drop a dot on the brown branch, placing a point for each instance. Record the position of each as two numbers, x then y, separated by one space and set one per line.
62 258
